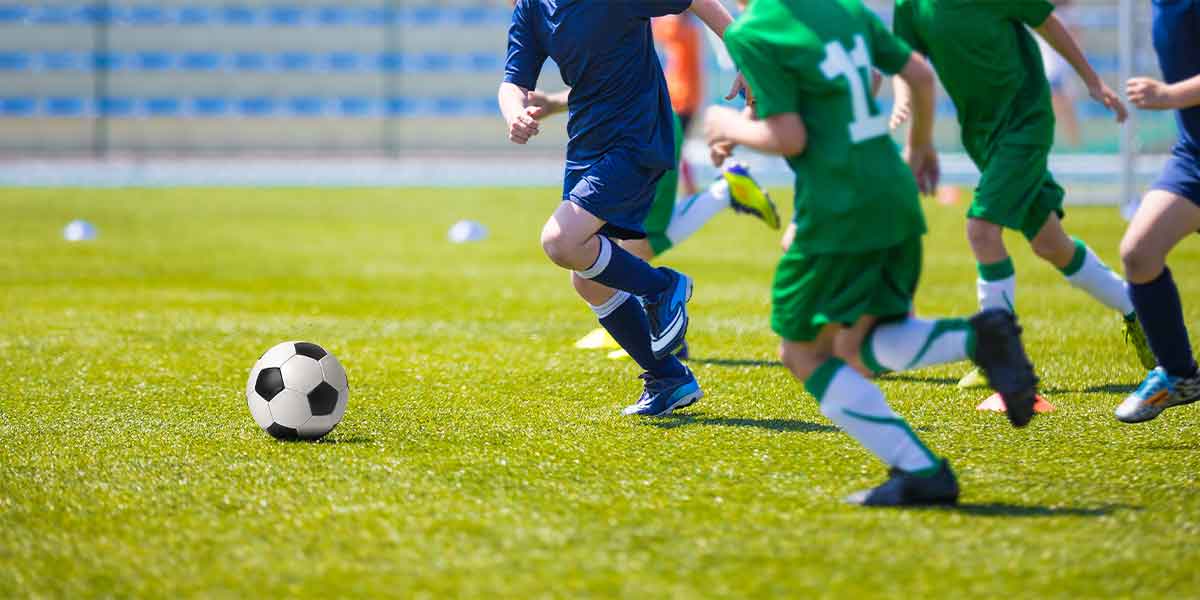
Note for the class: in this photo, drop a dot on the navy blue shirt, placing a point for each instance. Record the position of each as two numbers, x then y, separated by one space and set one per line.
605 52
1177 42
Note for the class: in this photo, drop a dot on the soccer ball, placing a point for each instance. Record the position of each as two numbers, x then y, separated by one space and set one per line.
297 390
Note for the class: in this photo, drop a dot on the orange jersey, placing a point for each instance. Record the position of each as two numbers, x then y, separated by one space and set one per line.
682 43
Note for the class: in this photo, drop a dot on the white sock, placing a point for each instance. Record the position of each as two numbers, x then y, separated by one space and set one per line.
914 343
1088 273
997 285
693 212
858 407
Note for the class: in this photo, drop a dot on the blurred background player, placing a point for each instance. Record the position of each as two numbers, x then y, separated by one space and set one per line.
989 64
671 221
621 143
843 291
1167 214
1058 74
682 44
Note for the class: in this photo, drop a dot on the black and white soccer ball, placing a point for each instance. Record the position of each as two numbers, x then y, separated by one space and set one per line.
297 390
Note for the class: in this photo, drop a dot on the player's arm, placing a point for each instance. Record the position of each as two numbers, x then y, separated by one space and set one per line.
918 80
545 105
1152 94
1055 33
783 134
718 19
521 124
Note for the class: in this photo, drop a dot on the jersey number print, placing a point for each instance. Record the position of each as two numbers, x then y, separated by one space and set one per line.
855 66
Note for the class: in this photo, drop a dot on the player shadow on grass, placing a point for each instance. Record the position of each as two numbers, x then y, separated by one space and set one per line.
675 420
352 440
1003 509
748 362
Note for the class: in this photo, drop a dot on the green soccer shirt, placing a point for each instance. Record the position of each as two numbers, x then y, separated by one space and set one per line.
853 191
990 65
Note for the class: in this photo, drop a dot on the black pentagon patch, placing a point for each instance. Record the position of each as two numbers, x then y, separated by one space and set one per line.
310 350
270 383
322 400
283 433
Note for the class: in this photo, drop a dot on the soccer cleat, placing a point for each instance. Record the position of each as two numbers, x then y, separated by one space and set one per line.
597 339
973 379
1158 392
747 196
661 396
908 489
667 312
1001 356
1134 336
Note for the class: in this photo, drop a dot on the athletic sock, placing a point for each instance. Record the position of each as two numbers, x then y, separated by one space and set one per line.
693 212
997 285
625 320
616 268
1161 313
857 406
914 343
1087 272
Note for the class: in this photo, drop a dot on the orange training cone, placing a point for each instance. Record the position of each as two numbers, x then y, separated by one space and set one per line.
996 404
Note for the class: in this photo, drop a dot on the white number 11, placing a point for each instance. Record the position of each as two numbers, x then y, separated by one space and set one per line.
855 66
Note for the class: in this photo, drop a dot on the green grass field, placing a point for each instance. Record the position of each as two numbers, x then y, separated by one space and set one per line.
482 456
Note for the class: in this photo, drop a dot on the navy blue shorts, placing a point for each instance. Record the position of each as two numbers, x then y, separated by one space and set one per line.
1181 175
616 189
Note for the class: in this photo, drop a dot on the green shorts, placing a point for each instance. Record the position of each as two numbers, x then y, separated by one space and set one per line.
812 291
1016 189
664 201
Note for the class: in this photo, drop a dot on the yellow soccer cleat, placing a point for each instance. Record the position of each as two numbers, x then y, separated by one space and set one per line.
597 339
1134 336
973 379
746 196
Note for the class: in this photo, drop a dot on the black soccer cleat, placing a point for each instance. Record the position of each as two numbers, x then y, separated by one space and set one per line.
906 489
1001 356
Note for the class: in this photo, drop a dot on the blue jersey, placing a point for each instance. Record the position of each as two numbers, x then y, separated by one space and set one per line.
605 52
1177 42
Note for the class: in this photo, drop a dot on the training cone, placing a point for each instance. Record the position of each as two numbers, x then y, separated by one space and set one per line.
597 339
995 403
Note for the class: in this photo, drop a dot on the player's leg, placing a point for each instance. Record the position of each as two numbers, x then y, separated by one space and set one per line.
1161 222
996 284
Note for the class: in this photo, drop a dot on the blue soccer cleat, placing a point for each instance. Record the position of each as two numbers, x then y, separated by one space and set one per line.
1158 392
667 312
661 396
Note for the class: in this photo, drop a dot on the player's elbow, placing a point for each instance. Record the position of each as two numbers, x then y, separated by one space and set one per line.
917 73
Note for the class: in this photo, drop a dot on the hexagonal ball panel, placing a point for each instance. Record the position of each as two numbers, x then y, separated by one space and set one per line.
277 355
290 409
310 350
322 399
334 373
301 373
260 410
269 383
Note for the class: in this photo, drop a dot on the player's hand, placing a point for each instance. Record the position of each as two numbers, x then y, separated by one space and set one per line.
541 105
901 113
1102 94
720 152
740 86
923 160
789 236
523 127
1149 94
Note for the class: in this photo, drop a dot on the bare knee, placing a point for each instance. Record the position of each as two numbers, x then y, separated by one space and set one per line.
801 359
1055 250
985 238
1141 262
560 250
847 348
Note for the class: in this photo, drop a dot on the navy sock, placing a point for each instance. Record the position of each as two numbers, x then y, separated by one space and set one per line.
616 268
625 319
1158 308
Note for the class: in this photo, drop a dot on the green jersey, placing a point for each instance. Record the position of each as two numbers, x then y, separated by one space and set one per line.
853 191
990 65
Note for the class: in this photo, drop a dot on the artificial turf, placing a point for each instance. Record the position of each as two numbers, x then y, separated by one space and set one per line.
482 456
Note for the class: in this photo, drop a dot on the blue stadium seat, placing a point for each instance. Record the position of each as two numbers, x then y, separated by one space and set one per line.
343 61
18 106
210 106
355 106
60 61
194 15
306 106
15 61
13 13
64 106
199 61
112 106
152 60
162 107
257 106
295 61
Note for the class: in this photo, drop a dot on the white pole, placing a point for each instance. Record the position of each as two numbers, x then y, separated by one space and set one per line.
1127 25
